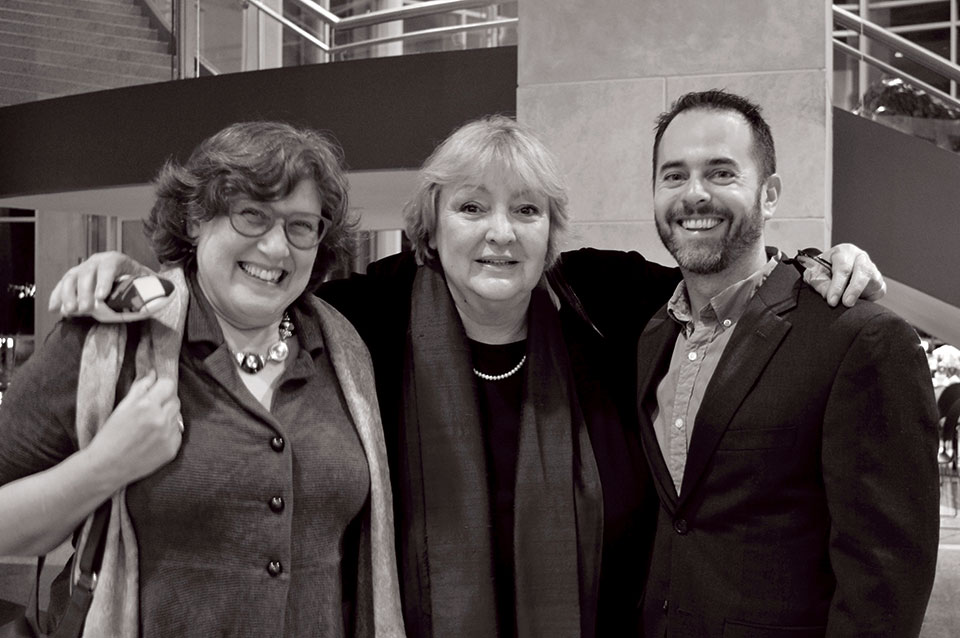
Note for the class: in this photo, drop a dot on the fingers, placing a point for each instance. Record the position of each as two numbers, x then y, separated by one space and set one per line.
859 279
108 269
64 295
54 302
817 278
140 387
91 281
876 291
841 258
85 282
854 276
164 393
875 287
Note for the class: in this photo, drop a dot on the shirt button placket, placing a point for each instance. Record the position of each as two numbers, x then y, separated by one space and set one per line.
276 505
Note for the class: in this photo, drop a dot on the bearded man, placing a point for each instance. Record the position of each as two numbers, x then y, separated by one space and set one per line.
792 444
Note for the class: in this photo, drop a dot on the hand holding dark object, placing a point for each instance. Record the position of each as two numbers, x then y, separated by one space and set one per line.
85 285
843 270
133 299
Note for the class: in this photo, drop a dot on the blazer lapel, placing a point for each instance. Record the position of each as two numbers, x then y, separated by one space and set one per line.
653 358
757 336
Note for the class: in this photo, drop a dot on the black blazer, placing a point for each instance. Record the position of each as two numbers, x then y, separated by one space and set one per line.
378 304
809 504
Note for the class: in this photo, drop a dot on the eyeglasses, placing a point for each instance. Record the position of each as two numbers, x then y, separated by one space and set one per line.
302 231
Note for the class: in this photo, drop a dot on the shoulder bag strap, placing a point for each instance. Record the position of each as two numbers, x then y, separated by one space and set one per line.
81 594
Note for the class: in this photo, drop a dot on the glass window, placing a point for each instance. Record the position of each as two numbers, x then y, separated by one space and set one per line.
17 283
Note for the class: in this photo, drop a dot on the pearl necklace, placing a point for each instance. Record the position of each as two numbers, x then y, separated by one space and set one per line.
253 362
500 377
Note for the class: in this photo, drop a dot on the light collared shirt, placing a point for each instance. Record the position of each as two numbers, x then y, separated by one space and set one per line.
699 347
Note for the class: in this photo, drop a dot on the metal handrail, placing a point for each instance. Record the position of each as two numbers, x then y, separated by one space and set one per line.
909 50
425 33
892 70
319 11
889 4
306 35
429 7
411 11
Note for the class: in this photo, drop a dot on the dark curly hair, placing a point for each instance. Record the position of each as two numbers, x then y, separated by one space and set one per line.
261 160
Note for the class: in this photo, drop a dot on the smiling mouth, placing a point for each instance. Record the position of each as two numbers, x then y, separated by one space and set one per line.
700 223
497 261
266 275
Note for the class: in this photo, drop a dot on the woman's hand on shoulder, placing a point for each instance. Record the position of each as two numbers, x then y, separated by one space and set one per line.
91 281
141 435
854 276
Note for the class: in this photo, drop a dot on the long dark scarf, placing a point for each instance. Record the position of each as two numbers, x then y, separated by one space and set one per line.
446 544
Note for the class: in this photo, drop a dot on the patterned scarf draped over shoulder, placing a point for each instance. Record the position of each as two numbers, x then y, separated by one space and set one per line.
115 607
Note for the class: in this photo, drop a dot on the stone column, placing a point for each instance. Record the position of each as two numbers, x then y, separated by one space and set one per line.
593 76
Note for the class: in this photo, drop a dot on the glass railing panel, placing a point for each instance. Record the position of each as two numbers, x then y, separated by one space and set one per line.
898 67
222 35
228 36
470 28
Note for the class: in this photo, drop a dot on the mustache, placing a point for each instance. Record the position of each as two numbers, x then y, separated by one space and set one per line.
683 210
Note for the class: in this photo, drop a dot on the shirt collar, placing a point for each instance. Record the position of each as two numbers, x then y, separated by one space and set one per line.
724 308
202 327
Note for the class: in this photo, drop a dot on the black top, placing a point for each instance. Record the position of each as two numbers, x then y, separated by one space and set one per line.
500 411
620 292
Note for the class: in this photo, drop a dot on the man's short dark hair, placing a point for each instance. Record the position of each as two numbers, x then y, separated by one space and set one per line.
720 100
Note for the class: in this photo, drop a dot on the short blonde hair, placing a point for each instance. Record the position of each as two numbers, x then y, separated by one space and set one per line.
494 140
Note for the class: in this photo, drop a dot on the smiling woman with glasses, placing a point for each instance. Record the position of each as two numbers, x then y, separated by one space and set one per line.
302 231
247 462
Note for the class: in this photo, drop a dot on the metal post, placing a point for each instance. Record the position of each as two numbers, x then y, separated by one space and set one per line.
862 68
196 57
954 25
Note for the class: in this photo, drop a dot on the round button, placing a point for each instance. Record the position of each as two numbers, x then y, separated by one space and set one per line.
692 356
277 443
727 323
680 526
274 568
276 504
678 423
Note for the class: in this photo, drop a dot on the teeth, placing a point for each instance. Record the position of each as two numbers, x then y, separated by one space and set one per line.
700 223
497 262
270 275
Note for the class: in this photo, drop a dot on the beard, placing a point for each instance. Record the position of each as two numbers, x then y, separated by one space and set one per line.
707 256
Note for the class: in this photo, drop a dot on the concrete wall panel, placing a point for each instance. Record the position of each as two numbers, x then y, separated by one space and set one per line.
571 40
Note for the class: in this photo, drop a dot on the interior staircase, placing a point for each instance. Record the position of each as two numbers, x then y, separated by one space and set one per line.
50 48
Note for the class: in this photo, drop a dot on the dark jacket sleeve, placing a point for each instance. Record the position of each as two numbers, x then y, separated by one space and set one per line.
881 478
618 291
